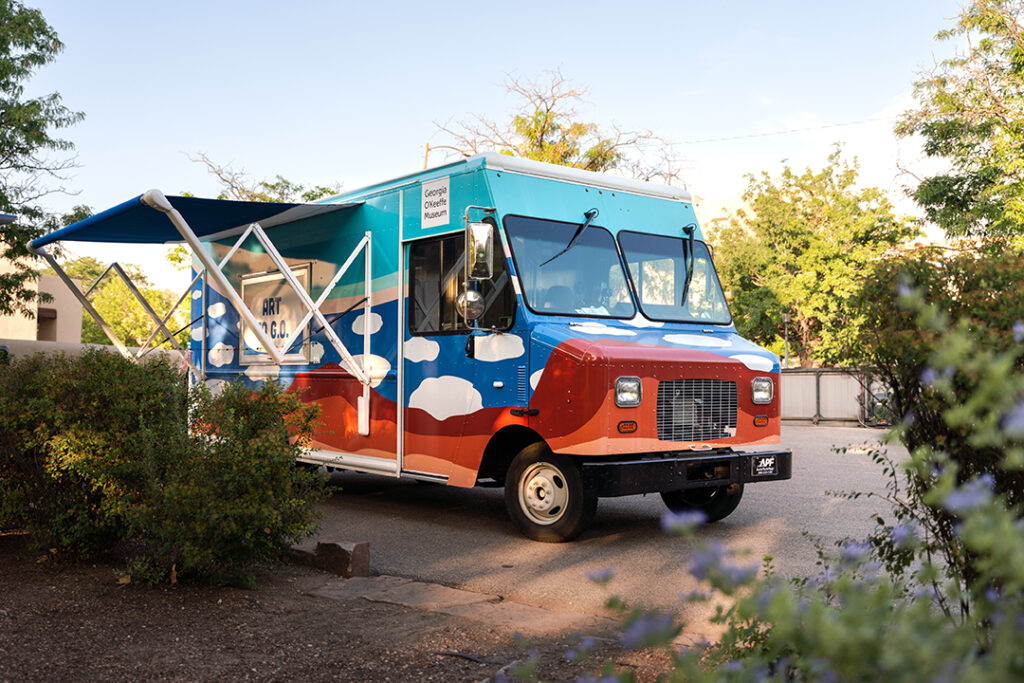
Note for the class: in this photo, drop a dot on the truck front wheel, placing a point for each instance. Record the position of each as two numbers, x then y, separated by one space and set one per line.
544 495
716 502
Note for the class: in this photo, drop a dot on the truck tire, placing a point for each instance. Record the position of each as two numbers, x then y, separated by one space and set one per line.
544 495
716 502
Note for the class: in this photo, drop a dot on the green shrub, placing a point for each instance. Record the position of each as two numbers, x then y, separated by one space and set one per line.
100 399
97 449
231 496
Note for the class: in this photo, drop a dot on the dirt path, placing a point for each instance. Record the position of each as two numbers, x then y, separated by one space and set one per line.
76 622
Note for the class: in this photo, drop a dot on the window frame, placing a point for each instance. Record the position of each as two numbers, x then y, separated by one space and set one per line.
636 293
619 254
499 254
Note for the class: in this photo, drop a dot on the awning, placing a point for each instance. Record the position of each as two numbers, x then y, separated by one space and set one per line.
137 222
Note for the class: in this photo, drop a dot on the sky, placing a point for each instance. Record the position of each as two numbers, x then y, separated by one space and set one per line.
350 93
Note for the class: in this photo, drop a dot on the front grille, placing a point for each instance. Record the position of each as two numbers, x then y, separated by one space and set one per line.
696 409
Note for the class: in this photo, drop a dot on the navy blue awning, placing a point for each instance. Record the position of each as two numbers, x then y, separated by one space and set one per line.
136 222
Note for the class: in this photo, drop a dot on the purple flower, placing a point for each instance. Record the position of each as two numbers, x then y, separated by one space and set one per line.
971 495
854 552
904 536
737 575
602 576
825 577
581 650
904 290
992 595
707 559
1013 422
929 376
682 522
649 628
1018 331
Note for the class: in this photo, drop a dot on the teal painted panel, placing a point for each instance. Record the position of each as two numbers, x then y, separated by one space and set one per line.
562 201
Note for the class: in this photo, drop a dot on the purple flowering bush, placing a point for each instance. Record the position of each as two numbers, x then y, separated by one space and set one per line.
937 590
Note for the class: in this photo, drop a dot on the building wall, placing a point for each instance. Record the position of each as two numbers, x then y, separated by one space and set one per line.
66 327
58 320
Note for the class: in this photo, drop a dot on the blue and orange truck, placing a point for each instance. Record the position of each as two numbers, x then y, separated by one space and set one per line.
489 322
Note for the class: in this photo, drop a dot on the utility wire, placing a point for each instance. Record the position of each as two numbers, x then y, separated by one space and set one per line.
788 132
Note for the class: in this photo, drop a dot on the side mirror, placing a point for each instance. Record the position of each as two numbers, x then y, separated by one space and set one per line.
470 304
479 251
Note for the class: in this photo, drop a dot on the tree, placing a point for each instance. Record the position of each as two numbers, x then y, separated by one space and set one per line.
237 185
30 154
971 113
801 249
114 301
546 127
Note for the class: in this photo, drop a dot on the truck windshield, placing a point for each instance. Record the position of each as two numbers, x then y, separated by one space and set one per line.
657 266
585 280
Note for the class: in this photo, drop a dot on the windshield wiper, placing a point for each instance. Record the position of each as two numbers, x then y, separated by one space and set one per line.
688 246
591 215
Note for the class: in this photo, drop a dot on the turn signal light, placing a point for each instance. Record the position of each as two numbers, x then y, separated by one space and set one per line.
761 421
627 426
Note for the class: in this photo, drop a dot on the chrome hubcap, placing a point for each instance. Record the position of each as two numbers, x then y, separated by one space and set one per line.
543 493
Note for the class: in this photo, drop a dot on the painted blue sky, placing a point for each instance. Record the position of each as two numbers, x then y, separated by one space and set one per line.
323 92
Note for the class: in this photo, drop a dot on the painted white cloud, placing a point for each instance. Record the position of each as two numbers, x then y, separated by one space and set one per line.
262 372
376 322
252 342
221 354
419 349
377 367
446 396
217 310
197 333
197 293
697 340
601 328
216 385
640 321
535 378
316 352
495 347
755 362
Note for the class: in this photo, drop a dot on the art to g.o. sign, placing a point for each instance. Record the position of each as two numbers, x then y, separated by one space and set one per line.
278 311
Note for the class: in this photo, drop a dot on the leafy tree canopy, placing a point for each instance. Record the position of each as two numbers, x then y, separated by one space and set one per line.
971 113
546 127
30 154
801 250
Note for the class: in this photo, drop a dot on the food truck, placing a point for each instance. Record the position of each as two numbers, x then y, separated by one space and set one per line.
489 322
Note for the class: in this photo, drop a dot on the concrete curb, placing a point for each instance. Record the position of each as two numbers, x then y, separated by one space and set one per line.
344 559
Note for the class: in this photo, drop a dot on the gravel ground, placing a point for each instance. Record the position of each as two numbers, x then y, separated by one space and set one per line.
75 622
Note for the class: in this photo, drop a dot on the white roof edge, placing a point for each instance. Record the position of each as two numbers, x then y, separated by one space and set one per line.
503 162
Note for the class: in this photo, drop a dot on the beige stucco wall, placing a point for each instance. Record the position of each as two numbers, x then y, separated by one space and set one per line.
68 307
65 328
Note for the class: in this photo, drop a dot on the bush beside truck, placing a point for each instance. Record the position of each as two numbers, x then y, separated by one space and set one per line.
96 450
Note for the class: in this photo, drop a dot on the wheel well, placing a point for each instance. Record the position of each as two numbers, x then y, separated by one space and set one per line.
504 445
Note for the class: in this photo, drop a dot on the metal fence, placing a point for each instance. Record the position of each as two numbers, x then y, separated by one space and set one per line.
829 394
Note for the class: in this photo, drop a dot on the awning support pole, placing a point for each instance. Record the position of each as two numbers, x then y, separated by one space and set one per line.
83 298
157 200
86 304
289 277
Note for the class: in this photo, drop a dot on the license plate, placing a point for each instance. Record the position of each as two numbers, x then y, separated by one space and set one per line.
763 465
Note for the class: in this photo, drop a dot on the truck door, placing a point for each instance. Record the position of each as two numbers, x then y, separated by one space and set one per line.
447 385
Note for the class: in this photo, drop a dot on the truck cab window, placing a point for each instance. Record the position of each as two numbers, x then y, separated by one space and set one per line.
437 277
585 280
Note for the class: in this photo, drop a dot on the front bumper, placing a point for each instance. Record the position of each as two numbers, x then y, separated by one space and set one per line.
658 472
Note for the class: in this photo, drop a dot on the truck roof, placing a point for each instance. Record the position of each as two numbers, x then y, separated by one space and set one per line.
539 169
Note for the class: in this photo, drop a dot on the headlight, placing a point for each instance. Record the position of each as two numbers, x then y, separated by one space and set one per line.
628 392
762 390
